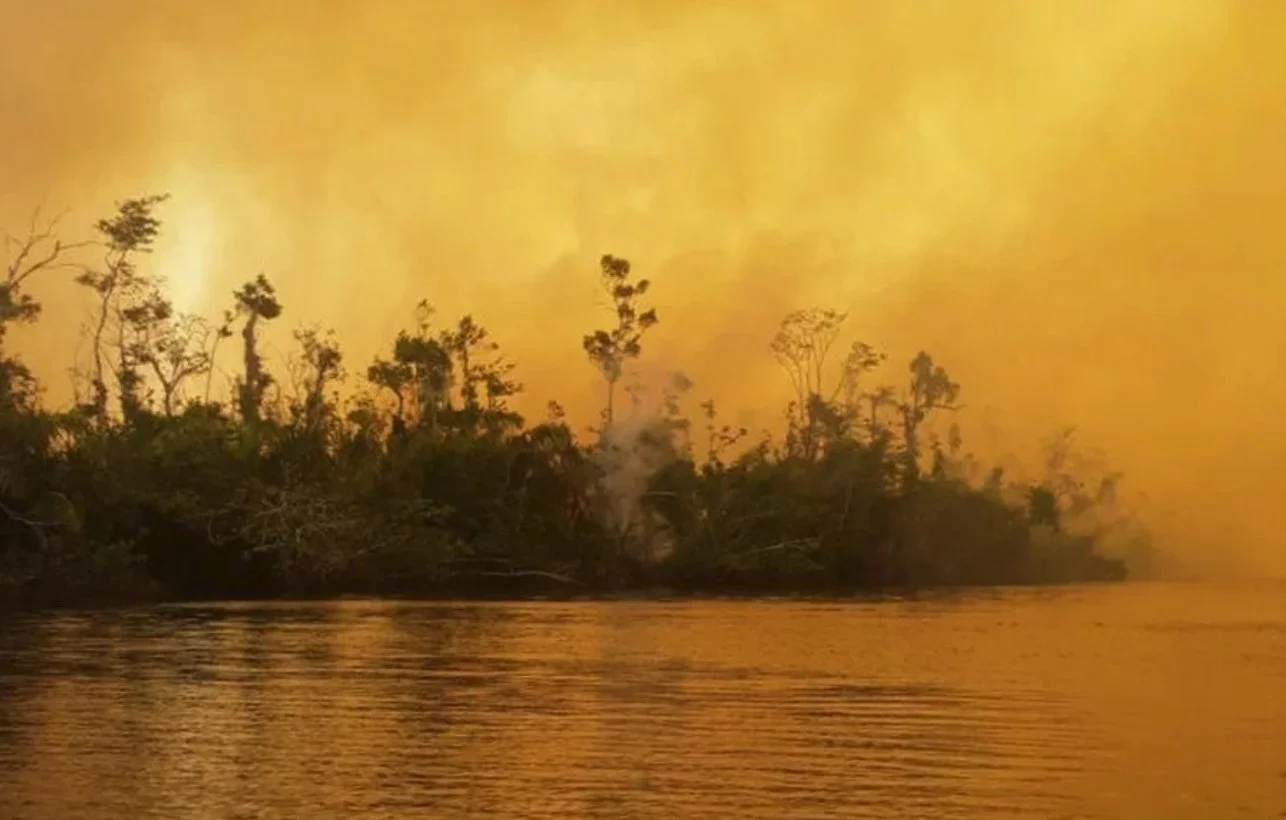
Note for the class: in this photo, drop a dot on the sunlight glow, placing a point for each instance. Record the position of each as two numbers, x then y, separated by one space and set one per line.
183 255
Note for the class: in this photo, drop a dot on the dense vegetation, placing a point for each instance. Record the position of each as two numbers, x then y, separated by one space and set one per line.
422 479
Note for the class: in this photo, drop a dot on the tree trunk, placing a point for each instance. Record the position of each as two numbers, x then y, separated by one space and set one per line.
611 400
251 375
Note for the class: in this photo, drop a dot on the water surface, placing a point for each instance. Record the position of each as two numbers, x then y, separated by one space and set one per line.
1131 701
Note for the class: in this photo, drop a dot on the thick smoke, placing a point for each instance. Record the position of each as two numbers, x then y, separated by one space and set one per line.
630 452
1074 206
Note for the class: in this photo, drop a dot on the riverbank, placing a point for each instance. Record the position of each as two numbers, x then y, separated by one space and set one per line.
425 479
523 587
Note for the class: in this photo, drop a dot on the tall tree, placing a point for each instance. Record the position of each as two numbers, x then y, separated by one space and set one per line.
467 342
610 349
255 302
485 376
930 389
319 365
861 359
141 315
132 230
802 347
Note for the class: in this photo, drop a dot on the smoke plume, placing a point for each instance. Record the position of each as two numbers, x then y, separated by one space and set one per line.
1074 206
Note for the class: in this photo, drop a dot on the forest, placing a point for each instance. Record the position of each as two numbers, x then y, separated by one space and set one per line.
414 475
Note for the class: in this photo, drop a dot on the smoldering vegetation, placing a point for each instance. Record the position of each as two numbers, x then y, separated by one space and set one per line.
1074 206
418 476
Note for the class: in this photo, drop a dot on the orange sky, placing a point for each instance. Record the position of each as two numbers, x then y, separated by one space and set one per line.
1074 205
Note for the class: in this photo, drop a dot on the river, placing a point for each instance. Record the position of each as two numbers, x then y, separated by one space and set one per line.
1125 701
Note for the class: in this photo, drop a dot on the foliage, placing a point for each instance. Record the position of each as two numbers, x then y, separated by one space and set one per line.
426 481
610 350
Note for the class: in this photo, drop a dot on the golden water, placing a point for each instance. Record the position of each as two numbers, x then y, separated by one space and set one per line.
1130 701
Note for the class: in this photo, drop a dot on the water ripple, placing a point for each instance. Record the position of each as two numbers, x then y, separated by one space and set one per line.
1021 706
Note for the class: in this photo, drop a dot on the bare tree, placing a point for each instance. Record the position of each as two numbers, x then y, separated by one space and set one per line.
803 346
39 250
175 348
223 331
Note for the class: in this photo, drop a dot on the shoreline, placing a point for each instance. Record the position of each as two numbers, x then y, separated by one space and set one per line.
642 594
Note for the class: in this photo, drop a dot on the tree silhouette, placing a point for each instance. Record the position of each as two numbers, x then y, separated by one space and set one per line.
610 349
254 302
119 285
39 251
426 481
930 389
419 375
802 347
319 365
171 346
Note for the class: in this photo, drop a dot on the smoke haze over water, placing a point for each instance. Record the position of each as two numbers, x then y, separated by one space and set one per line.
1076 206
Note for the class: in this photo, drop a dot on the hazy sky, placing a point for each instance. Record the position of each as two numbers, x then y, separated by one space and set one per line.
1075 205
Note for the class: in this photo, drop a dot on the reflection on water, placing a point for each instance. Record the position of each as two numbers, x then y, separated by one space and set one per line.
1129 702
